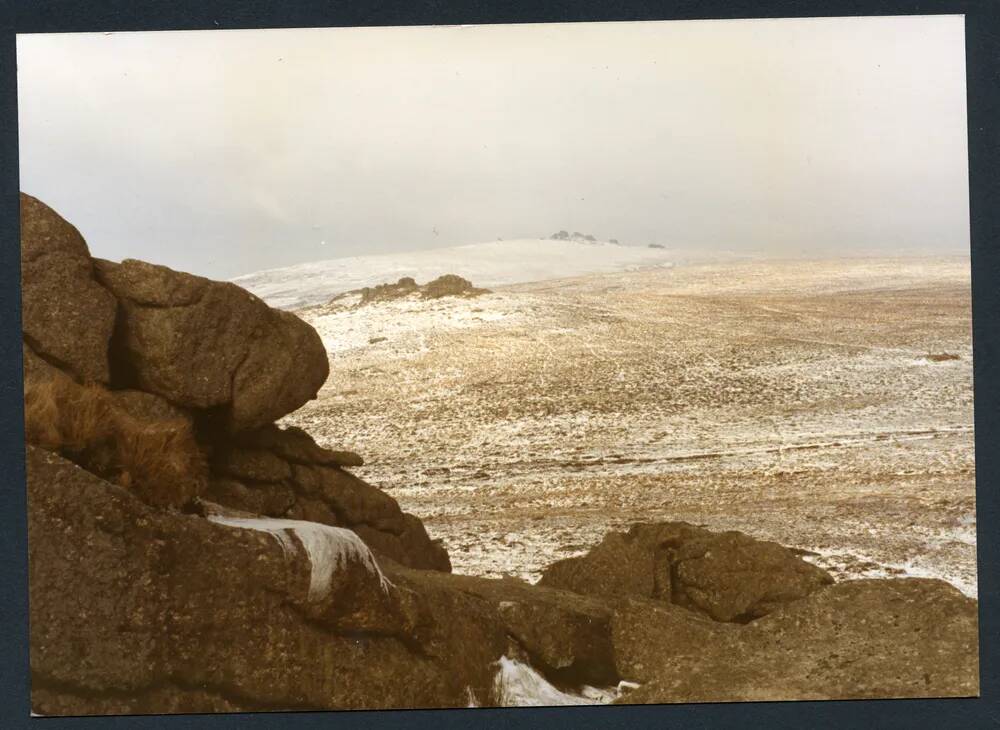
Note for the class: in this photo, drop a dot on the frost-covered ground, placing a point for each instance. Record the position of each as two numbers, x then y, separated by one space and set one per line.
520 685
485 264
792 400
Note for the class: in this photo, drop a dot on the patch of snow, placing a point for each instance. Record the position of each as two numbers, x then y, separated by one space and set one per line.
328 548
844 566
914 569
520 685
399 327
491 264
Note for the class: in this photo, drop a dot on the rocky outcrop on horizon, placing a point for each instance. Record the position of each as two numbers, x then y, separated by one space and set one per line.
447 285
186 554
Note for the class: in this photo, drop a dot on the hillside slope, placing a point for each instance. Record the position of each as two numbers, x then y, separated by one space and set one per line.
485 264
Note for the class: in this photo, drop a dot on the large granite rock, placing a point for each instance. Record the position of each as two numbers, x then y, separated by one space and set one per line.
139 610
862 639
727 576
296 446
67 316
283 472
210 345
564 634
258 481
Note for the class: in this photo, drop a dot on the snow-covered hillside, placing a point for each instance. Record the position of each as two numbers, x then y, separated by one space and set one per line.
485 264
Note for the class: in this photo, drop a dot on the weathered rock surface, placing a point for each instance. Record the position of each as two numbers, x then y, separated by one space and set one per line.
649 634
37 368
860 639
412 546
139 610
262 498
617 566
148 407
295 445
283 472
211 345
67 316
728 576
565 634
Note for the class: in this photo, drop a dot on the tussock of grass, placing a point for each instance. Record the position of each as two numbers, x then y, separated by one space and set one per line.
158 459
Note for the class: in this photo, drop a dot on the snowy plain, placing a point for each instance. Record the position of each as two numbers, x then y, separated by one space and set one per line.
796 401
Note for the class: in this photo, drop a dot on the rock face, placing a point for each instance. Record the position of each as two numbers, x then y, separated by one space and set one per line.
197 372
186 554
170 611
860 639
211 345
66 315
139 610
727 576
283 472
566 635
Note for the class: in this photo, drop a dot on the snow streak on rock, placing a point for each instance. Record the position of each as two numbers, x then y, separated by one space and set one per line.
520 685
328 548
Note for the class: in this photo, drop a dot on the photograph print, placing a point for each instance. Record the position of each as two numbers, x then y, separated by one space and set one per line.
497 366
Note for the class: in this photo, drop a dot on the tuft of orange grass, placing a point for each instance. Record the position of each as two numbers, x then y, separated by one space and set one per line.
160 460
61 415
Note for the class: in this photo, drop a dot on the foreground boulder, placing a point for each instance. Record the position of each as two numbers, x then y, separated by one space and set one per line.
283 473
863 639
211 345
565 635
66 315
139 610
728 576
168 384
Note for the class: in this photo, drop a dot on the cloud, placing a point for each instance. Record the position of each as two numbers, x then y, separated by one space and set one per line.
228 151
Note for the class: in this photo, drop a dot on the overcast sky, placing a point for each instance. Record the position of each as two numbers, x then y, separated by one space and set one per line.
225 152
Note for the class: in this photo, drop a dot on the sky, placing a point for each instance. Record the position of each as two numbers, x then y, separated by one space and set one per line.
226 152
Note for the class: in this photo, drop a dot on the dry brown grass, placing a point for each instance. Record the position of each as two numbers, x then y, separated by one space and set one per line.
61 415
158 459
